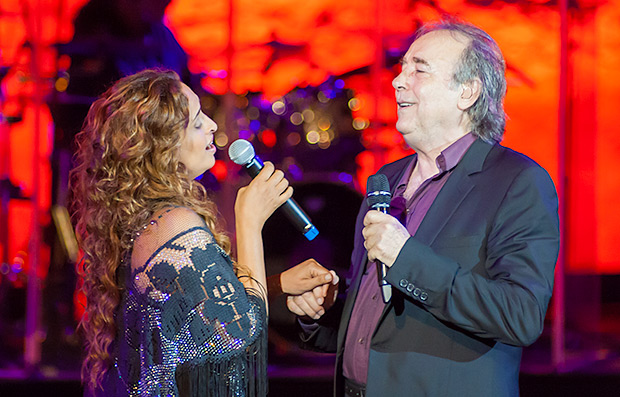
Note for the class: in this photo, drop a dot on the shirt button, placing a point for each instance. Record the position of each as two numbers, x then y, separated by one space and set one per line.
374 297
360 341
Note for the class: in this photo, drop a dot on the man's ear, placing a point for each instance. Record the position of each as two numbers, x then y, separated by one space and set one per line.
470 91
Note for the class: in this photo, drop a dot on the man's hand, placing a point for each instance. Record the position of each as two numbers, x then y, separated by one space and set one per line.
384 237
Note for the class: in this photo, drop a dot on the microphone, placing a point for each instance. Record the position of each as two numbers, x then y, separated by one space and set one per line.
242 152
378 197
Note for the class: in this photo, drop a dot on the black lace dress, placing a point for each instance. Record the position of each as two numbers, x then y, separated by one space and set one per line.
186 325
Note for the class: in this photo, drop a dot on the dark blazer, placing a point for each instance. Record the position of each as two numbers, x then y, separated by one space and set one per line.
470 289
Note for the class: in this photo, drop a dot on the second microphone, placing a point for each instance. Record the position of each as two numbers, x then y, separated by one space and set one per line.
242 152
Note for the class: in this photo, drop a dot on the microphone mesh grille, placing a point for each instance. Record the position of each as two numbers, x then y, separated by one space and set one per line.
378 191
241 152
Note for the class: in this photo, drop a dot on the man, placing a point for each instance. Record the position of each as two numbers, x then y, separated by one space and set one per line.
470 243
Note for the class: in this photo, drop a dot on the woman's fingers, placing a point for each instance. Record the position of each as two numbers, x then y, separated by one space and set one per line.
265 193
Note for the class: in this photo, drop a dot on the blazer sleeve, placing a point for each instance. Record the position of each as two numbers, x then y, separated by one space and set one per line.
322 336
504 296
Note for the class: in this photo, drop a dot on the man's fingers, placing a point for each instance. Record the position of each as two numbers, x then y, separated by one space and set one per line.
372 216
308 305
294 307
300 307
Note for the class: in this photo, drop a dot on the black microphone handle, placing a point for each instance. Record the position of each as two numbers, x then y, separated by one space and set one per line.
386 288
254 166
291 209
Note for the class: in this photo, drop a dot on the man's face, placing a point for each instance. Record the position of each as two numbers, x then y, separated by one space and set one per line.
425 93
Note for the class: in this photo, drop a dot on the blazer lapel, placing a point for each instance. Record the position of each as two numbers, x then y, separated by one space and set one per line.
393 179
455 190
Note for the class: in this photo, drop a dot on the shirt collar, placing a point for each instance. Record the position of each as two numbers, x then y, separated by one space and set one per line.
451 155
447 159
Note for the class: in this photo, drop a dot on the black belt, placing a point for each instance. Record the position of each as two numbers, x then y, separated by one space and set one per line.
354 389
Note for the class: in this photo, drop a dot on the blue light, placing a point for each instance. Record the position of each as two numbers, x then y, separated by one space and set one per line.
245 134
295 172
345 178
339 84
254 125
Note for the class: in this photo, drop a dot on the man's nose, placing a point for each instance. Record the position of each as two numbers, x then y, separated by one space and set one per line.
397 82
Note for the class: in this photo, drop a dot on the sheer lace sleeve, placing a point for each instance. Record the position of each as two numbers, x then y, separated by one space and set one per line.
188 321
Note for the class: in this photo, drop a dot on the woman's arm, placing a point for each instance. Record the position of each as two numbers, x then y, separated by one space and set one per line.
254 205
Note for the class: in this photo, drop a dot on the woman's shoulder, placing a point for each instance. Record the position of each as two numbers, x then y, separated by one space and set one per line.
171 221
166 225
177 218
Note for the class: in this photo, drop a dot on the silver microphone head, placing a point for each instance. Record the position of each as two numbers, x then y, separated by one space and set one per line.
241 152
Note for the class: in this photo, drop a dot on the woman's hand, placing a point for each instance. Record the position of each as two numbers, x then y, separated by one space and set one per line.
313 304
305 277
256 202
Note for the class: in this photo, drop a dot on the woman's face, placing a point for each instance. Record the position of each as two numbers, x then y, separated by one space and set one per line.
197 150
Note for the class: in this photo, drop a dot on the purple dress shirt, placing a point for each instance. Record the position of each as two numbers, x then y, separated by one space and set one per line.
369 305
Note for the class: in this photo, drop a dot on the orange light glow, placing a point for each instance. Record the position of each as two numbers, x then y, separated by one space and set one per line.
274 47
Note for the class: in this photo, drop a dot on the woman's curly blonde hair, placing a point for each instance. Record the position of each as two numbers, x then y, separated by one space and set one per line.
127 168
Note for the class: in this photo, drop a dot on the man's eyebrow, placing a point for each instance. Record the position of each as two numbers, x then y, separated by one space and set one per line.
403 61
420 61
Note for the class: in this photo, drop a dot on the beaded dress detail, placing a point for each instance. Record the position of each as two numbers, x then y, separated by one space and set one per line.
187 326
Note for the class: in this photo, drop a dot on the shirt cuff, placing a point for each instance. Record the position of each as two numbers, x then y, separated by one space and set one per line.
308 328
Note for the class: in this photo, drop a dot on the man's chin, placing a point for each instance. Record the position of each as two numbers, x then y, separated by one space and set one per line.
403 127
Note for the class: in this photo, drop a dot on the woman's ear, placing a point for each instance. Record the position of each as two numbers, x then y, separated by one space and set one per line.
470 91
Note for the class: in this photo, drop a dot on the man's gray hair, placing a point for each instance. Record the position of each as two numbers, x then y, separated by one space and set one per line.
482 59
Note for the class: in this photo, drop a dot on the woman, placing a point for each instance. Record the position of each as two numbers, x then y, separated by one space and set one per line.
168 312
